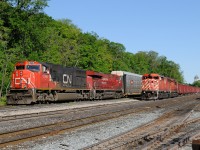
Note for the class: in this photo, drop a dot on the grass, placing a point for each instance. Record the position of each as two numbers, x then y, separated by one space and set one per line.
3 101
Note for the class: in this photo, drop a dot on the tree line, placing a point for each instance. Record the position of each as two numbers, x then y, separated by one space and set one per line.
27 33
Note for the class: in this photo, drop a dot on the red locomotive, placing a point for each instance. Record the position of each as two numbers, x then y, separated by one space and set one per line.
104 85
155 86
34 82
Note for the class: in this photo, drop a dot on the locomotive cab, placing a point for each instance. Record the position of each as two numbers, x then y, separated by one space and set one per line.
150 86
150 82
31 74
28 78
25 74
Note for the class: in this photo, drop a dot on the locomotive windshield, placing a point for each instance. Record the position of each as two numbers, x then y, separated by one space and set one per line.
20 67
35 68
153 77
150 77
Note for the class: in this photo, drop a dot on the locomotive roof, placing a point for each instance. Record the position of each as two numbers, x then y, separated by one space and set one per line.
26 63
152 75
157 75
50 65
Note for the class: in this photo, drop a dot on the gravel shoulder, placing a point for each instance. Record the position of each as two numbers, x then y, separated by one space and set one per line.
54 107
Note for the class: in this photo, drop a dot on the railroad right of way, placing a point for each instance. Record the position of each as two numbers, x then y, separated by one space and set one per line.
34 127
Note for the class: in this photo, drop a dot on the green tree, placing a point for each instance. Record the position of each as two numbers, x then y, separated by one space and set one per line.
30 6
117 51
6 56
196 83
142 62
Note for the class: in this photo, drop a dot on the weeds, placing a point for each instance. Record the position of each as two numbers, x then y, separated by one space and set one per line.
2 101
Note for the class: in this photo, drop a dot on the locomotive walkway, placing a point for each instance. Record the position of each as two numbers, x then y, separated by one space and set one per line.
174 118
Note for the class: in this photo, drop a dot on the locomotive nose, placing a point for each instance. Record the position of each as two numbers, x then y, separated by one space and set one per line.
19 73
21 79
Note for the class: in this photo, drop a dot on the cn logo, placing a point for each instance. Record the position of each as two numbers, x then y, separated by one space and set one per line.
67 79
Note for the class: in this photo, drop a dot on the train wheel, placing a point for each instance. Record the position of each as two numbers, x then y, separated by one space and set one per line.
149 95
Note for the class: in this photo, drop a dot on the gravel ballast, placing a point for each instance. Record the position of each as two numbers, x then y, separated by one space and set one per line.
55 107
92 134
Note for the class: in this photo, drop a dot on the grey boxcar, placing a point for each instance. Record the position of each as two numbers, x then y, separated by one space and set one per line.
132 84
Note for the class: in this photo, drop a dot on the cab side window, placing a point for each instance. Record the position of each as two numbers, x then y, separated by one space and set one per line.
45 69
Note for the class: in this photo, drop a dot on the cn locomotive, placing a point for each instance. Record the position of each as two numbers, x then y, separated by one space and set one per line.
155 86
37 82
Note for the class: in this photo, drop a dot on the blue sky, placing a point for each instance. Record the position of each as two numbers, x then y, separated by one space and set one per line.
169 27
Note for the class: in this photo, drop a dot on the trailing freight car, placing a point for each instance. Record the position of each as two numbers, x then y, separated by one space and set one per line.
131 83
184 89
34 82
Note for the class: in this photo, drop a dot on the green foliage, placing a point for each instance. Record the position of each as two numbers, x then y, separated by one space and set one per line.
196 83
30 6
2 101
26 33
151 62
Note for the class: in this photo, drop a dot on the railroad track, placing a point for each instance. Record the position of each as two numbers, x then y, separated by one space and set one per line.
151 135
27 115
18 136
178 140
36 114
77 119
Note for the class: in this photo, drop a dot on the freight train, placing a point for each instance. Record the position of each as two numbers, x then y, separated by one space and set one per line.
155 86
37 82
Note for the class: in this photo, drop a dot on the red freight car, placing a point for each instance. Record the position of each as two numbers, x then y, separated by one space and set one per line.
184 89
155 86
